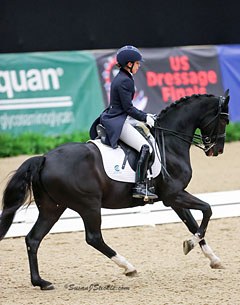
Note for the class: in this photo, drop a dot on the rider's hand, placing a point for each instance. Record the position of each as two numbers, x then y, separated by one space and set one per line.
150 120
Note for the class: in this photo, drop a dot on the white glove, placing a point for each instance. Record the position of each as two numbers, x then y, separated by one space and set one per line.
150 120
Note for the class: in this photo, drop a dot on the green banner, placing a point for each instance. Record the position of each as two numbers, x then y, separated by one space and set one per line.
49 93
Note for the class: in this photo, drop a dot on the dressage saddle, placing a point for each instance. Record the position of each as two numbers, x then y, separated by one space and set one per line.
131 155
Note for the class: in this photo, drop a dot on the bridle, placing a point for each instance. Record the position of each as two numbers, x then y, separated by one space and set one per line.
210 141
204 142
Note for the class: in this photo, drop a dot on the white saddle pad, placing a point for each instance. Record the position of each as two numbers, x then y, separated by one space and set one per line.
113 160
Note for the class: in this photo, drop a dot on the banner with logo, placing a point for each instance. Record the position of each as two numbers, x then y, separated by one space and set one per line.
229 58
50 93
63 92
166 75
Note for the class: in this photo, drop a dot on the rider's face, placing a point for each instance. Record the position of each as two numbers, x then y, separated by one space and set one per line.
136 66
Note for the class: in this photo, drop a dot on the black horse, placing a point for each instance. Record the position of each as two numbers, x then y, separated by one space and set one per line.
72 176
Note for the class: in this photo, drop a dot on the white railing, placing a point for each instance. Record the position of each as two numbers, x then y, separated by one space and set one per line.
224 204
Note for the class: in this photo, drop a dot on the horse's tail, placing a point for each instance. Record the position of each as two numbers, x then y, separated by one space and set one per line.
18 191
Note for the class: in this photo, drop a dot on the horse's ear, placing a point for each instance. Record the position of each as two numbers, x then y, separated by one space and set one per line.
227 97
226 94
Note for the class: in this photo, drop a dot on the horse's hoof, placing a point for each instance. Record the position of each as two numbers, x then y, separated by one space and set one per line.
188 245
217 265
131 273
48 287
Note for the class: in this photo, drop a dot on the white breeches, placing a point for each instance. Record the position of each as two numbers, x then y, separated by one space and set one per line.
132 137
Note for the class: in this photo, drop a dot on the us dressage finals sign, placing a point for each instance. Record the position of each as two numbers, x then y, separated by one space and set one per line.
62 92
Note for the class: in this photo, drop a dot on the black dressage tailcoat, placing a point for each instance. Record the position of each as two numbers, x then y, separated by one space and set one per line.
113 118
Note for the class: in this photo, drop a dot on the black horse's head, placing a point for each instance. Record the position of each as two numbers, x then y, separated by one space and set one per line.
213 127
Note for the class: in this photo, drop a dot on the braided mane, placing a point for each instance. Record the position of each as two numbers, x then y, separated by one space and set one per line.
183 100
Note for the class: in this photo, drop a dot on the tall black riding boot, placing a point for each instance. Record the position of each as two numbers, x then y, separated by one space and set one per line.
140 190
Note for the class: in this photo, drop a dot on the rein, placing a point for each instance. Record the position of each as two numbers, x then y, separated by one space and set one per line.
179 135
197 140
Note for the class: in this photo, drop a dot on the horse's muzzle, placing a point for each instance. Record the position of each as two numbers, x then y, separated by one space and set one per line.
214 151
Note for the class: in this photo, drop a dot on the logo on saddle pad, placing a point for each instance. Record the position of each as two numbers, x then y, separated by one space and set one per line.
119 167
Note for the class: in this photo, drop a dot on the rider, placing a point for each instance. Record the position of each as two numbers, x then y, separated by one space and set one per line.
116 118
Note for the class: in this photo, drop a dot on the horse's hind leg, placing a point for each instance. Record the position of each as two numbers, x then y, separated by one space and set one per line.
48 216
92 222
188 219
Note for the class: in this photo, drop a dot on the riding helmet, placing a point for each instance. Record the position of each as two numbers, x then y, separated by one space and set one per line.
128 54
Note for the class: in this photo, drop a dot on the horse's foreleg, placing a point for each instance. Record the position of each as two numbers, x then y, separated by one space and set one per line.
187 201
188 245
94 238
215 261
186 216
188 219
42 226
182 202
